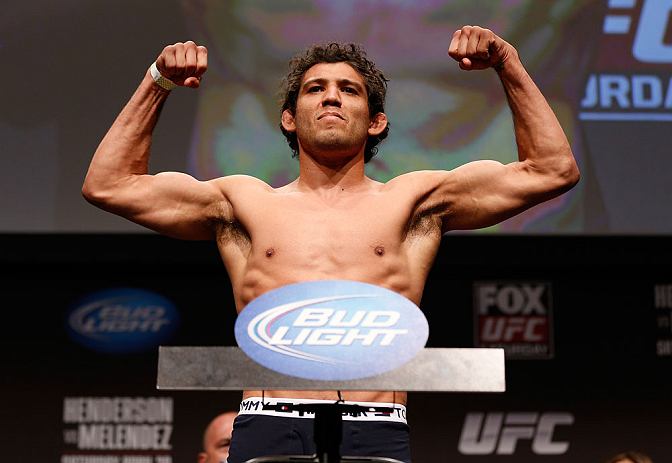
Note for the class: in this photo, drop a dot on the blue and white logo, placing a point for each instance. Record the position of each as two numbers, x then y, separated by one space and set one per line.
122 321
331 330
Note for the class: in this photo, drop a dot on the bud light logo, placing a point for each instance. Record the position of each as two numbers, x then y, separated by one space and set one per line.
122 321
331 330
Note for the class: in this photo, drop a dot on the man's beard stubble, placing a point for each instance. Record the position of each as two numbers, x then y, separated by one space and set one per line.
332 142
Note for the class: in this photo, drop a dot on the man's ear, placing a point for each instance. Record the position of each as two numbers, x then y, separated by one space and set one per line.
202 457
288 121
378 124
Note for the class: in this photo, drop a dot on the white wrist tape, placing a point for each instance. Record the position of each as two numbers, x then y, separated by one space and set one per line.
159 79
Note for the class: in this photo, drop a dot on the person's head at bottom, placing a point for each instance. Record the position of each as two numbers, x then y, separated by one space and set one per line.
217 439
629 457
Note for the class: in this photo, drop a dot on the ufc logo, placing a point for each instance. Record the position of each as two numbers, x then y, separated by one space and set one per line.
496 432
513 329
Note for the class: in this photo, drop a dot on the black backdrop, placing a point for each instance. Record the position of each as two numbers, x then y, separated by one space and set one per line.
607 376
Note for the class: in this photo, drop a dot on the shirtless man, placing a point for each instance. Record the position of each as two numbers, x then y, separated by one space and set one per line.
332 222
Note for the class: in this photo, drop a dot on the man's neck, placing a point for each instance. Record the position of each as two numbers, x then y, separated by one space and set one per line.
327 173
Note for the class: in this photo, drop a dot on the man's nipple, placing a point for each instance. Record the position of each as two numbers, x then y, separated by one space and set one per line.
270 252
380 250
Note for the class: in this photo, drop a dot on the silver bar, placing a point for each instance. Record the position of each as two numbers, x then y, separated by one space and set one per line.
432 370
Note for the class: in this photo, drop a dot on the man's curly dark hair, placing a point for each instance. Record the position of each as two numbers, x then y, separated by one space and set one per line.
333 52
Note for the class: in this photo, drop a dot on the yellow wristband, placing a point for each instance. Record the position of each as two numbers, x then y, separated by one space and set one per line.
159 79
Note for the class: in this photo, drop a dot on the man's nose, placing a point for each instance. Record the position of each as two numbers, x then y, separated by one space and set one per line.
332 97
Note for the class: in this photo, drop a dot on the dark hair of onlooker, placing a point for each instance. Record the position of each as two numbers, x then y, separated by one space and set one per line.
634 457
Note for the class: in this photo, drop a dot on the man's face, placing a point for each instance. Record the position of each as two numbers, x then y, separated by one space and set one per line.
217 439
332 111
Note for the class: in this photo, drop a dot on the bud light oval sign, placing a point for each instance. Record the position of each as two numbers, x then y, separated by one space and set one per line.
122 320
331 330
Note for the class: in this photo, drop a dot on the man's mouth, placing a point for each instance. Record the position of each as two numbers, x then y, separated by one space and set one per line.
330 114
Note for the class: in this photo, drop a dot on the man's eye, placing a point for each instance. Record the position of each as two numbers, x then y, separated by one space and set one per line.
350 90
314 89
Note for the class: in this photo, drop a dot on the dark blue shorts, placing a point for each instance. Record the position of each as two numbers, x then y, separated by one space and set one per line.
256 435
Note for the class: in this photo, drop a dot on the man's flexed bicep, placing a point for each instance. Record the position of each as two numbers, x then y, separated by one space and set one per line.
483 193
117 180
171 203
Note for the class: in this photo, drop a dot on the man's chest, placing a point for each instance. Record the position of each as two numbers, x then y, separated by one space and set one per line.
354 224
291 238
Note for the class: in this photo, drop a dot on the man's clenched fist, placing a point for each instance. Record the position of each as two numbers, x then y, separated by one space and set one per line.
183 63
478 48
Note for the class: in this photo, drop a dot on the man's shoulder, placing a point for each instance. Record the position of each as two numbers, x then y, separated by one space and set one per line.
418 178
238 181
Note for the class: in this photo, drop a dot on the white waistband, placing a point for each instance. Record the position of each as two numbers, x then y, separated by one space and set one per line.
254 406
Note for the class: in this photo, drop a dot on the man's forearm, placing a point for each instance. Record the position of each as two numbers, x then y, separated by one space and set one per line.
542 144
124 151
540 138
